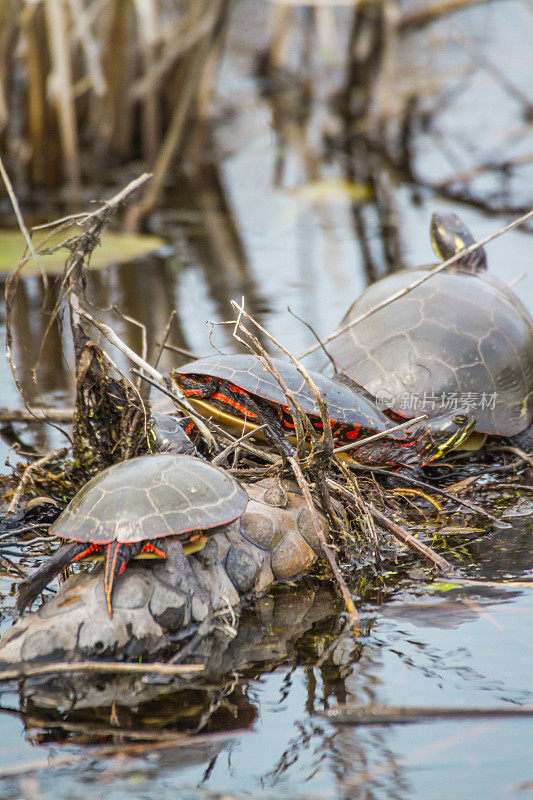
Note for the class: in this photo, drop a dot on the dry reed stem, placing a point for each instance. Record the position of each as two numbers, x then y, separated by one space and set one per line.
382 435
60 87
327 436
34 414
299 415
315 519
27 474
397 531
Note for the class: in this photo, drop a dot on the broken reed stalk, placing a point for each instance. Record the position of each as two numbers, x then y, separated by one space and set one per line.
27 474
328 552
397 530
117 342
36 414
234 445
327 437
300 420
384 303
351 714
121 667
325 446
382 435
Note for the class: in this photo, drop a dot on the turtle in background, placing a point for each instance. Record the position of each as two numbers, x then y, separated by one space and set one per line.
462 337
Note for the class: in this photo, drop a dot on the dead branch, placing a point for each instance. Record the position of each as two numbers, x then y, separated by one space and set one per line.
26 475
397 531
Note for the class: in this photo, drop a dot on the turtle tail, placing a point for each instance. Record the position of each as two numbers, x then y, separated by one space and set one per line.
117 556
31 587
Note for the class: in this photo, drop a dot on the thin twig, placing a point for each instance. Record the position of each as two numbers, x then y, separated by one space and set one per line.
515 451
466 251
230 448
20 219
399 532
181 350
162 345
323 541
382 435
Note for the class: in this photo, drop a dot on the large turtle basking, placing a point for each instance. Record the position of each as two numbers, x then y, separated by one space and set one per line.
462 337
124 509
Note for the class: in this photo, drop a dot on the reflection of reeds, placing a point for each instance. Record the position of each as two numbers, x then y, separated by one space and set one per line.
86 84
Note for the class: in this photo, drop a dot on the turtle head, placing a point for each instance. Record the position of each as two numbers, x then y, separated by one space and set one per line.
445 432
449 235
166 434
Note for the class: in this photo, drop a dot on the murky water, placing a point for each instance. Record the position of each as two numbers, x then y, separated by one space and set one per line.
269 216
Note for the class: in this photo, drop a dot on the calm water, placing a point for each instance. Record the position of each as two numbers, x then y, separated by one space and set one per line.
275 223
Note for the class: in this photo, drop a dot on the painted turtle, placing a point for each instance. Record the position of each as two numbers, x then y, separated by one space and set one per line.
167 435
239 391
462 338
126 507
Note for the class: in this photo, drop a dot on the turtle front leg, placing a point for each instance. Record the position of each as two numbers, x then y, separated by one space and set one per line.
274 431
179 571
523 440
387 455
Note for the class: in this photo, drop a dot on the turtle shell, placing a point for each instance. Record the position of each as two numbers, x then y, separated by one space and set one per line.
248 373
458 334
149 497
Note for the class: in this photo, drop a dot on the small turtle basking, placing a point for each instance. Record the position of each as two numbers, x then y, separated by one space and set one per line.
462 336
238 391
127 507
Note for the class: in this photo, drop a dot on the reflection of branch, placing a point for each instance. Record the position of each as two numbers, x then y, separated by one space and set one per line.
481 60
417 18
487 166
99 666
